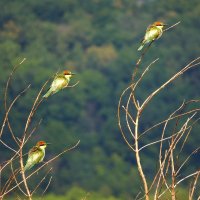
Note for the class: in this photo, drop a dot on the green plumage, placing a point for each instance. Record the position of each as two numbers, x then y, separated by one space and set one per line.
35 155
60 81
152 33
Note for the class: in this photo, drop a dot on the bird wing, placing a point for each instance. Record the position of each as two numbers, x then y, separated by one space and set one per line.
152 33
34 149
146 33
59 76
149 27
59 82
34 158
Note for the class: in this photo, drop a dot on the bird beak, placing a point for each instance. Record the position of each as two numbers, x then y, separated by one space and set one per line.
165 24
73 74
48 143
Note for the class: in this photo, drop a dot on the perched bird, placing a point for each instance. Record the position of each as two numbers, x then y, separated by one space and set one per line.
35 155
60 81
153 32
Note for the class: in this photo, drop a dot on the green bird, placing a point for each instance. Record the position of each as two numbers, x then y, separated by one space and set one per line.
59 82
153 32
35 155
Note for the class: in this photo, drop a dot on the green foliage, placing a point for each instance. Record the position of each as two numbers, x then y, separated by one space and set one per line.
97 39
180 194
78 193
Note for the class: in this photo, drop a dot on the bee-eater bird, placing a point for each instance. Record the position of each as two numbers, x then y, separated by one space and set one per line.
35 155
59 82
153 32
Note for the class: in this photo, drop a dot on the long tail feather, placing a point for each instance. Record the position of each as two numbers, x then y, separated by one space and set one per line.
49 92
141 47
28 166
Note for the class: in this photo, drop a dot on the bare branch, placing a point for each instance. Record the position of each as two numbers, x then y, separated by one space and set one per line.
137 154
187 67
172 26
162 122
191 193
119 118
71 86
41 181
10 107
158 141
49 182
42 166
6 94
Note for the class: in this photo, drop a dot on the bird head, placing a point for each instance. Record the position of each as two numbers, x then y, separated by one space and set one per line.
159 24
42 144
67 73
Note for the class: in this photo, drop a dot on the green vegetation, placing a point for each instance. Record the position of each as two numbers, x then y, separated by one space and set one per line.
97 39
78 193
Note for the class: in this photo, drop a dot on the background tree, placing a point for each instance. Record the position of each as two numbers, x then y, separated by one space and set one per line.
75 34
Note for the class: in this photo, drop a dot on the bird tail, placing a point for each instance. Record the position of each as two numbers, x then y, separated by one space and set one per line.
28 166
141 47
49 92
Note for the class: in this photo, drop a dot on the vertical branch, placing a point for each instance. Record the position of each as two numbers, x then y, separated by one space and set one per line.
139 109
167 157
173 174
119 118
47 186
193 187
6 96
34 108
8 187
0 180
36 187
139 61
46 163
137 154
23 173
192 64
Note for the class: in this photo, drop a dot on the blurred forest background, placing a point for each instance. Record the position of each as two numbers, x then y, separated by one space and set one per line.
98 40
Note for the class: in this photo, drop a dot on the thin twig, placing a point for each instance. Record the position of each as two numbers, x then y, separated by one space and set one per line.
137 154
71 86
6 95
46 188
162 122
186 160
187 67
128 115
191 193
119 118
172 26
46 163
16 181
158 141
41 181
180 181
139 61
10 107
